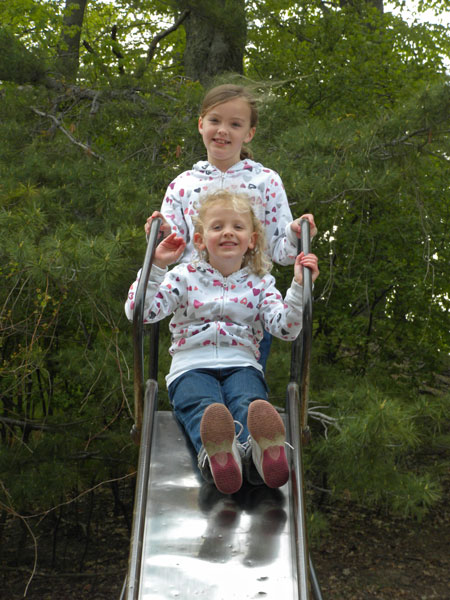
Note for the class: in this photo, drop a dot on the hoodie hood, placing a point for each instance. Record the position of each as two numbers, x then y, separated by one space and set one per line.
203 168
263 186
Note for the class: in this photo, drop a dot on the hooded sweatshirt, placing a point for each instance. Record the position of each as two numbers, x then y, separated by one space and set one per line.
217 321
266 192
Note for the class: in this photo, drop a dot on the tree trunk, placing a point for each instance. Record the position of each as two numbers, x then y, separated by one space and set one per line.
379 4
216 32
69 45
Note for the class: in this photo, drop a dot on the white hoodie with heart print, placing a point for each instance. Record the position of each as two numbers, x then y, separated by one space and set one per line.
262 185
217 321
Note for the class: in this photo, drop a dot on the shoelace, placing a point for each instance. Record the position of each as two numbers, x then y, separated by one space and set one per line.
204 459
248 443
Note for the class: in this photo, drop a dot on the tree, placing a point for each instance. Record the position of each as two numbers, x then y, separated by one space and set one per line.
69 47
215 39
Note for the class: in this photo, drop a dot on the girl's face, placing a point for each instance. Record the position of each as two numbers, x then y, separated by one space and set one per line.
224 129
227 235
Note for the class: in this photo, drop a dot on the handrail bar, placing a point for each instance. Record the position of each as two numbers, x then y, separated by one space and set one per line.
297 492
141 493
301 350
145 410
317 592
297 408
138 333
306 332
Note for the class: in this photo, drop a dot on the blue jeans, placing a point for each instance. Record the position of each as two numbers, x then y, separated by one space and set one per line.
192 392
264 348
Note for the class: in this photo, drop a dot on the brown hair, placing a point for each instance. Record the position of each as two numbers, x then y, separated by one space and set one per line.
229 91
256 259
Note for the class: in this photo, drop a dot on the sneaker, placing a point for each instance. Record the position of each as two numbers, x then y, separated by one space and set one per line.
250 473
219 441
267 439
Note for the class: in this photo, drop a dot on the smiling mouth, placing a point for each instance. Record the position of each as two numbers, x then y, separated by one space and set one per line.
220 142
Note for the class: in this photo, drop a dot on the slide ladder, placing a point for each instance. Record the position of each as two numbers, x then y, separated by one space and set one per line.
188 540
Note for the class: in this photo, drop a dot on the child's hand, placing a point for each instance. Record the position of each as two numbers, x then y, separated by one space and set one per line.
310 261
169 251
295 225
165 226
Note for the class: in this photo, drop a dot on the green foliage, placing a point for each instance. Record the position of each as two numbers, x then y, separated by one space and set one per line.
378 189
54 466
371 453
18 64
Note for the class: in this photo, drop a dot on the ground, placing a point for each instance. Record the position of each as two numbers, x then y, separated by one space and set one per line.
82 554
367 556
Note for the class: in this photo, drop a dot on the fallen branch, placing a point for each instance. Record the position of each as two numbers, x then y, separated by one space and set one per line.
324 419
58 124
36 425
26 424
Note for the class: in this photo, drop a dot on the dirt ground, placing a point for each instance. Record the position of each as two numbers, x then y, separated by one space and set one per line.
82 554
366 556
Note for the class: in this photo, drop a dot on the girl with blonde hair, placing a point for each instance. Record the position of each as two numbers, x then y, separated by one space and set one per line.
221 301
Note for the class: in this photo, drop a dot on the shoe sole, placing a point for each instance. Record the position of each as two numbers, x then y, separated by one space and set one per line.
218 435
269 434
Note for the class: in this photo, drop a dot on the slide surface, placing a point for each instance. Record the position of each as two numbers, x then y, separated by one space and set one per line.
199 543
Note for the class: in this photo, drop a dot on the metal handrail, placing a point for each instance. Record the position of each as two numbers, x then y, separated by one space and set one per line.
301 350
145 409
138 332
297 408
141 493
297 492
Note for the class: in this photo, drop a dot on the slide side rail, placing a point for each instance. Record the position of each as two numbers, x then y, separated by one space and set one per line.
299 434
145 409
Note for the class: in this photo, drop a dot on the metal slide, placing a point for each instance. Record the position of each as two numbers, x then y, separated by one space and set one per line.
190 541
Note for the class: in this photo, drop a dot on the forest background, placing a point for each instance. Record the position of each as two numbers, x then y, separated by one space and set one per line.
98 112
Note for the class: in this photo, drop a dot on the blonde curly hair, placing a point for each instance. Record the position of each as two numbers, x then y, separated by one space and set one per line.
256 259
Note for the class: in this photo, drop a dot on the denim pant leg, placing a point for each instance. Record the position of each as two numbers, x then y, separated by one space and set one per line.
240 386
190 394
264 349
